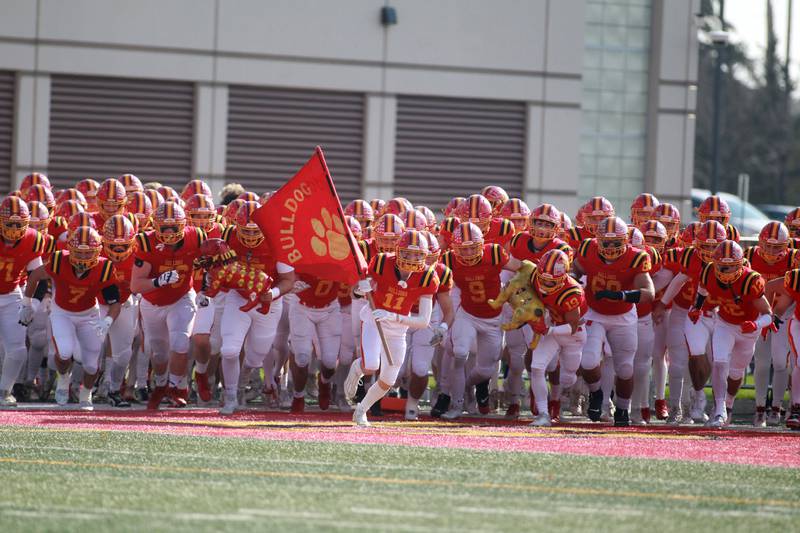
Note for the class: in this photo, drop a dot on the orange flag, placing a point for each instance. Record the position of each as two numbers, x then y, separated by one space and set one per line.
304 224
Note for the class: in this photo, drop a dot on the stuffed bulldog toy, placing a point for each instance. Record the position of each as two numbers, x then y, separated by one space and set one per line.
519 293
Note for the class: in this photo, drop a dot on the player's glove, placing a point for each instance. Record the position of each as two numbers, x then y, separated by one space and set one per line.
694 315
363 287
101 328
749 326
774 327
439 331
25 312
201 300
167 278
382 315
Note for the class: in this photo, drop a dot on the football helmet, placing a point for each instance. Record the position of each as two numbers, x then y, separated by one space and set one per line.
773 241
564 227
497 196
131 183
452 206
707 238
413 219
34 178
361 211
612 238
79 220
40 216
670 218
643 208
88 188
467 243
517 212
118 235
354 225
14 218
686 237
552 271
411 251
84 247
377 206
594 211
248 196
200 211
477 210
195 187
728 259
40 193
434 250
71 194
111 198
635 238
247 230
792 222
68 208
387 230
544 221
214 251
265 197
714 208
395 206
139 205
229 214
169 222
168 193
655 234
430 218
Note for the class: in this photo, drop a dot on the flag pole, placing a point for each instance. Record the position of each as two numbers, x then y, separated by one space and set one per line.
353 252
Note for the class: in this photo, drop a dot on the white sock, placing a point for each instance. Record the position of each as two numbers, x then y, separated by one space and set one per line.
719 384
11 369
622 403
201 368
539 387
161 379
412 403
374 394
675 389
62 382
85 394
174 380
230 372
780 379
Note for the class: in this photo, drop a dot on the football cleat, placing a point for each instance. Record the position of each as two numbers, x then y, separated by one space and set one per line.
554 409
141 394
230 405
441 406
676 416
718 422
177 397
482 397
541 420
760 418
85 399
454 413
156 396
324 397
594 411
636 418
621 418
298 405
513 411
412 412
115 400
774 416
793 420
661 410
353 379
203 390
698 409
360 417
645 412
7 399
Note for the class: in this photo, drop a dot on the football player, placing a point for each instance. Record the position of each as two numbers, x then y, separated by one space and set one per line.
479 211
88 188
715 208
792 222
361 211
786 293
111 198
590 215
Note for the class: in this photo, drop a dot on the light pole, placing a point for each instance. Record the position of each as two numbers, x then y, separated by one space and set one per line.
720 40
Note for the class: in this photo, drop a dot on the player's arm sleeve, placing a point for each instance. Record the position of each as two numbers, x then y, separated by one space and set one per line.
423 318
674 287
34 263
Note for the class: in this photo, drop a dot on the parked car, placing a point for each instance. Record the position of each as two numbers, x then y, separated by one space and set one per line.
775 211
744 215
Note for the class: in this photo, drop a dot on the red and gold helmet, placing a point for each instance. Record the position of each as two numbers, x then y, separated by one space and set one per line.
248 196
452 206
413 219
707 238
467 243
434 250
670 218
68 208
636 238
411 251
170 194
35 178
247 230
355 226
71 194
169 222
565 226
84 247
131 183
773 241
517 212
111 198
405 201
395 206
366 233
478 210
430 217
79 220
88 188
377 206
14 218
728 259
497 196
156 199
118 235
552 271
214 251
387 230
686 237
200 211
196 187
446 229
655 234
40 216
579 216
139 205
40 193
544 221
714 208
595 210
265 197
643 208
361 211
612 238
229 214
792 222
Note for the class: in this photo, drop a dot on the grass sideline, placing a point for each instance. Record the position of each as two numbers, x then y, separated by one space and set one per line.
97 481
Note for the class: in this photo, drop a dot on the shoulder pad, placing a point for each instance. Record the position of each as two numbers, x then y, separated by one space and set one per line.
380 263
447 259
748 253
106 270
506 227
583 249
516 238
446 276
428 276
226 233
753 281
201 236
566 293
38 243
791 280
686 256
705 273
143 242
55 261
640 259
497 253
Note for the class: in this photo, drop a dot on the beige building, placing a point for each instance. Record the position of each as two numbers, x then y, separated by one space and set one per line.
555 100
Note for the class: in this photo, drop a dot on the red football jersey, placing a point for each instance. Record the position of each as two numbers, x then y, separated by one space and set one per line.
345 295
686 261
75 294
445 282
501 231
791 282
576 235
645 308
479 283
732 233
390 295
774 270
368 249
321 293
260 257
122 279
616 276
15 258
198 274
163 258
523 247
736 302
564 300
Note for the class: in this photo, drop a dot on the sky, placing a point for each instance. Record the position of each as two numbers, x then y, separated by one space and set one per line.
750 20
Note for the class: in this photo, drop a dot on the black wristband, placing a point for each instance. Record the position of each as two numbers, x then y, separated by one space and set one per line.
632 296
155 283
699 301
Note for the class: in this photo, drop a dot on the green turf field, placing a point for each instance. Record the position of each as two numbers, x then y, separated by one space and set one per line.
108 481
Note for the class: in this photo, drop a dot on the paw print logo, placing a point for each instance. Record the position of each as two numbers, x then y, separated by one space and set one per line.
330 238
